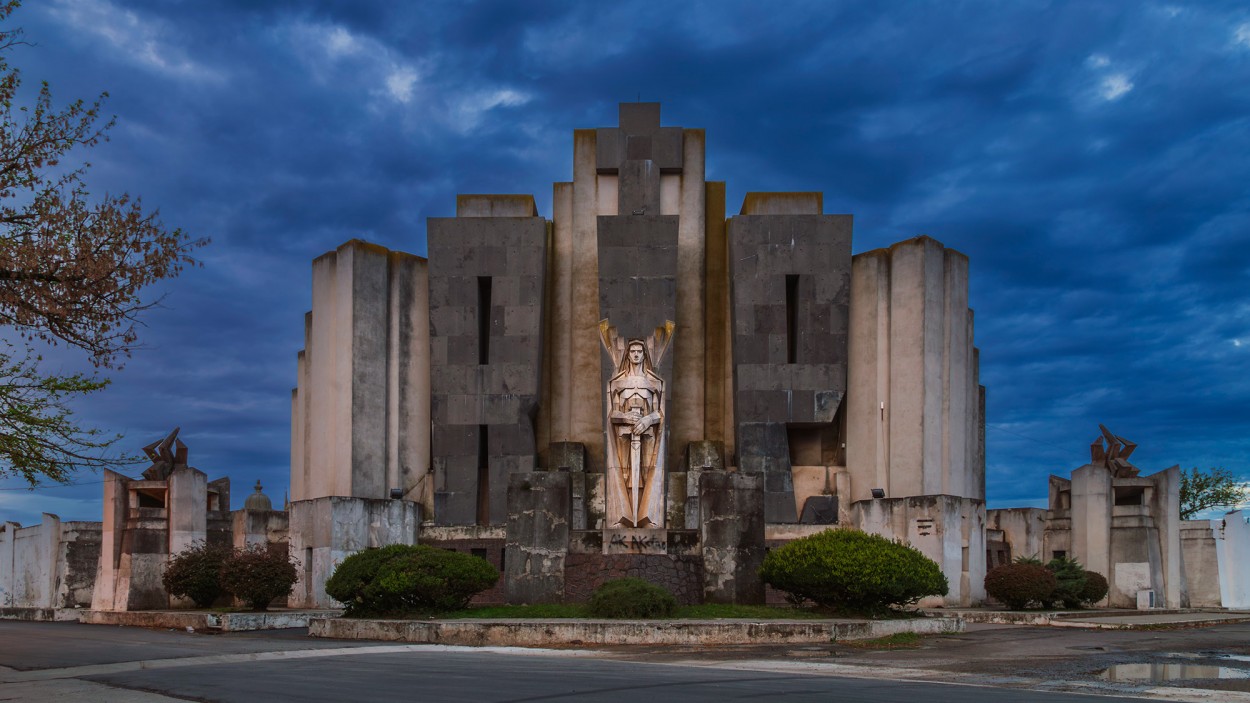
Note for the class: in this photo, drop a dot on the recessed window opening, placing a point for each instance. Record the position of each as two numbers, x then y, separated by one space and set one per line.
483 319
483 476
792 318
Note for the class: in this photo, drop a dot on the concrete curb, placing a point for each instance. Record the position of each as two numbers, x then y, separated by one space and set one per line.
201 621
42 614
542 633
1101 619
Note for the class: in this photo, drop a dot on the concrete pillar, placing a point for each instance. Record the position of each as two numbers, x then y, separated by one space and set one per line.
914 408
537 537
360 411
687 401
188 505
1092 500
732 536
112 527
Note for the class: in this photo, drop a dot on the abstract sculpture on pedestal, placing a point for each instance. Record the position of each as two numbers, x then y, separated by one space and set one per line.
635 428
1113 454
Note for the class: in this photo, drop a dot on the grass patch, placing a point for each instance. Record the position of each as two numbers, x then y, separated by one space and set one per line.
717 611
707 611
898 640
542 610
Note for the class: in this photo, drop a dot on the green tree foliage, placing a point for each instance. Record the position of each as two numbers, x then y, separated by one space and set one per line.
1069 582
1214 488
852 571
1096 588
401 579
72 268
195 573
257 574
631 598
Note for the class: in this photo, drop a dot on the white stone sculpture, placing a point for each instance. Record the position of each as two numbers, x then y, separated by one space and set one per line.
635 428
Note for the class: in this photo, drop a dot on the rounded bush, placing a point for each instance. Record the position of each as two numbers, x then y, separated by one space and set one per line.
195 573
1017 585
401 578
852 571
631 598
1096 587
256 575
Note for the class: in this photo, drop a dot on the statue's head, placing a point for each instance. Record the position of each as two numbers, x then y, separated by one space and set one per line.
636 351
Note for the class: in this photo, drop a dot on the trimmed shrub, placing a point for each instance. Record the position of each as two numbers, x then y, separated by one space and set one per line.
1095 589
1017 585
401 578
854 571
256 575
195 573
631 598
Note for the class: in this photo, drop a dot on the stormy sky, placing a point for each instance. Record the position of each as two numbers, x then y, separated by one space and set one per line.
1089 157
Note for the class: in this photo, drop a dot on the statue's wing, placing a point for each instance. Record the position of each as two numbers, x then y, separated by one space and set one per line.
658 343
611 341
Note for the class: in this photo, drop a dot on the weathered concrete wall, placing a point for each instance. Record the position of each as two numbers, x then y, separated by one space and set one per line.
789 266
486 357
1022 530
1234 564
259 527
360 411
49 565
950 530
915 407
732 536
325 531
1200 559
537 536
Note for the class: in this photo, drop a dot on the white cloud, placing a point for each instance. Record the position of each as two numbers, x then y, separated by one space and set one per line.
142 41
340 42
1114 86
1241 35
400 82
468 110
1098 61
1236 342
27 507
334 55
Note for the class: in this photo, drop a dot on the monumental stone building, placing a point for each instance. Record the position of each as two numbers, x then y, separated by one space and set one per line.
638 385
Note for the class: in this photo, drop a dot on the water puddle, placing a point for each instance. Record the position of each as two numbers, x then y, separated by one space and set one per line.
1160 673
1211 655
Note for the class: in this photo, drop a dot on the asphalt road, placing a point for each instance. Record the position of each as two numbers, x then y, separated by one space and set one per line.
71 662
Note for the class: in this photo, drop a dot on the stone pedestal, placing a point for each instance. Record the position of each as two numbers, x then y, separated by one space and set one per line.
537 537
732 525
325 531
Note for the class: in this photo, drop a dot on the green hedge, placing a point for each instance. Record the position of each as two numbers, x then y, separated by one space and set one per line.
631 598
402 578
852 571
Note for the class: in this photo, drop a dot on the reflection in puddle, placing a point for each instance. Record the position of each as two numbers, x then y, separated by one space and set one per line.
1171 672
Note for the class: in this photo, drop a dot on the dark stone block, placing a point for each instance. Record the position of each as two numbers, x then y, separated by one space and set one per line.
567 454
732 536
779 508
705 455
537 536
820 510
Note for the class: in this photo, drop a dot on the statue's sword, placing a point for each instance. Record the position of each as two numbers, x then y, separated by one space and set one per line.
635 459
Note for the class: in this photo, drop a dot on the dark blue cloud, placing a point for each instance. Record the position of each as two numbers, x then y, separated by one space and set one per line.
1088 157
